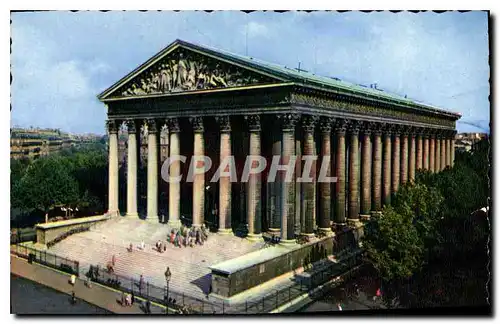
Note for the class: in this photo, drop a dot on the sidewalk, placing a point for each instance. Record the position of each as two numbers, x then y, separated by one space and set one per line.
97 295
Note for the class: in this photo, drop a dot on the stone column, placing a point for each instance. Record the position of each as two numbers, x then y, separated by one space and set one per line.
353 216
396 159
152 197
340 130
452 162
432 151
275 187
443 151
386 168
404 156
437 154
448 150
426 151
224 181
132 169
366 171
420 152
377 169
413 149
113 186
254 203
325 187
308 187
199 179
174 187
288 122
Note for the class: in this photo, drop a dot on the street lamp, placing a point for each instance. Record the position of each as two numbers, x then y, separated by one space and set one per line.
168 275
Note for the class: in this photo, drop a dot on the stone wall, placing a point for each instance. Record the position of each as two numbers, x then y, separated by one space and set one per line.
229 284
48 232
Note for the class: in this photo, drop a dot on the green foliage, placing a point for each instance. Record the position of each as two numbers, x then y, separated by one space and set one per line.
431 217
76 177
393 244
425 204
46 183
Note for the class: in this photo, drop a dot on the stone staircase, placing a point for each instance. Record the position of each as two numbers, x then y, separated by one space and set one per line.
189 266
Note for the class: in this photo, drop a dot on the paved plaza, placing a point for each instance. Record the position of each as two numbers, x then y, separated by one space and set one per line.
189 266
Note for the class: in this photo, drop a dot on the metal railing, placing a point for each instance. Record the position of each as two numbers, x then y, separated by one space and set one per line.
45 258
347 252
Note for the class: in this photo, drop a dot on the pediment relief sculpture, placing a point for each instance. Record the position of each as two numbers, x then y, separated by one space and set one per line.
187 71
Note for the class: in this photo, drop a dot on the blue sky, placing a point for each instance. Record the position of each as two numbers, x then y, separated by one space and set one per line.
62 60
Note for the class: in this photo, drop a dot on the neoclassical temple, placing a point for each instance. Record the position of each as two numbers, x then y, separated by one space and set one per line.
214 103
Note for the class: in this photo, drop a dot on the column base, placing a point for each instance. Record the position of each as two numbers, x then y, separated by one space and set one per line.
308 234
274 231
152 219
353 222
364 217
376 213
254 237
287 242
113 213
132 215
174 223
225 231
327 231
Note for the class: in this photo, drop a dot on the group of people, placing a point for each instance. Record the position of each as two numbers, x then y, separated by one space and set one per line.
184 237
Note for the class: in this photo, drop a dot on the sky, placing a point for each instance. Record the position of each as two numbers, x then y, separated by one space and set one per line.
60 61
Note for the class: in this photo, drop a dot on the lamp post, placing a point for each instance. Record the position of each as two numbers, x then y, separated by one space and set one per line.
168 275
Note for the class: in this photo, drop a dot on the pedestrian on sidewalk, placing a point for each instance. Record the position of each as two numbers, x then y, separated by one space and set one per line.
141 282
378 295
339 307
89 283
113 260
72 280
73 298
124 299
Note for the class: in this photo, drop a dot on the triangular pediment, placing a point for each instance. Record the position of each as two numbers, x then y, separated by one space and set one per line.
182 69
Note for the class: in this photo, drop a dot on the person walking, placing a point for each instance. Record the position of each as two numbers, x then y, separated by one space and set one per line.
339 307
72 280
141 283
73 298
113 260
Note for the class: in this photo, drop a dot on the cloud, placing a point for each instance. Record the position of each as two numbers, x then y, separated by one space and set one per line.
49 91
256 29
62 60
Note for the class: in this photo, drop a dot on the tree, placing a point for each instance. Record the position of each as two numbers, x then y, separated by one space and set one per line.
47 183
426 206
393 245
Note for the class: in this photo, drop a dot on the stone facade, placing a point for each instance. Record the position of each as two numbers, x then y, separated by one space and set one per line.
211 105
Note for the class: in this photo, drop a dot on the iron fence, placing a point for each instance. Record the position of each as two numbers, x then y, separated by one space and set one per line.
45 258
348 256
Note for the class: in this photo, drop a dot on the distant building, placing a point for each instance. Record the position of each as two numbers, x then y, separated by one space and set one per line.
32 143
465 142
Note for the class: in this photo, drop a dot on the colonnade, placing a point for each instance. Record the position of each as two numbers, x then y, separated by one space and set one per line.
369 159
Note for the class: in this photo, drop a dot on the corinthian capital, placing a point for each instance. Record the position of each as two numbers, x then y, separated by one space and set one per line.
253 122
113 125
197 123
326 124
131 126
152 125
309 123
288 121
173 125
354 126
224 123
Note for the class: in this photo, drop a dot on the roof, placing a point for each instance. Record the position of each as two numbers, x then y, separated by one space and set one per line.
303 78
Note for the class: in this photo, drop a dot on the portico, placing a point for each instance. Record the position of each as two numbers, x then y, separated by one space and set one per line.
218 104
